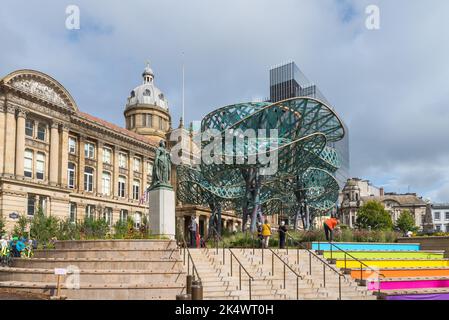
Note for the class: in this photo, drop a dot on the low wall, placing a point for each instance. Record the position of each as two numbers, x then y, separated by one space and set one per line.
429 243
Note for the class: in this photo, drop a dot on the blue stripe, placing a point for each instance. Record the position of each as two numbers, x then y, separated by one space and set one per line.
367 246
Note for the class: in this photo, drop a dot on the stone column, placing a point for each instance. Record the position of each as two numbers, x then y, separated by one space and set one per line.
81 163
2 136
99 167
64 155
130 175
144 173
116 172
20 142
54 153
10 140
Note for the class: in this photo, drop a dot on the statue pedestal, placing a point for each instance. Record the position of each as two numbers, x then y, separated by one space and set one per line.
162 212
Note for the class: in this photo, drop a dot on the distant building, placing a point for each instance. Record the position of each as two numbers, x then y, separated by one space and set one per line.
440 216
357 192
287 81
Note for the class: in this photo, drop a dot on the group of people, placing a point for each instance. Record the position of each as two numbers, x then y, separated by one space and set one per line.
264 232
14 247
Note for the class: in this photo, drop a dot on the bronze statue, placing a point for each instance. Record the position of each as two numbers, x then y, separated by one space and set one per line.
161 167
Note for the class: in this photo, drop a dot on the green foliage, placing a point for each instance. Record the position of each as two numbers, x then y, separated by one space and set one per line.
42 227
406 222
2 226
373 215
68 230
94 228
20 227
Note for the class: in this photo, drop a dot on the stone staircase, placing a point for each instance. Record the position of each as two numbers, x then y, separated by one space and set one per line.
101 269
218 283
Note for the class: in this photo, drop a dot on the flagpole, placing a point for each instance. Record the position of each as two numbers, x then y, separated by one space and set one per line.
183 87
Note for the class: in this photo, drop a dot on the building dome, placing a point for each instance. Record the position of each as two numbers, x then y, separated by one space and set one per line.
146 110
147 92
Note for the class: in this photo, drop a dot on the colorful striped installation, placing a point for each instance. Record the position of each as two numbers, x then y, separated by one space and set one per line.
431 296
385 255
393 263
366 246
408 284
403 273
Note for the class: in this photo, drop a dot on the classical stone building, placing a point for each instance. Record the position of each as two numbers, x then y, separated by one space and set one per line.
357 192
67 162
73 165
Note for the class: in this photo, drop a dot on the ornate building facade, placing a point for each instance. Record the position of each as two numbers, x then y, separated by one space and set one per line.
74 165
357 192
67 162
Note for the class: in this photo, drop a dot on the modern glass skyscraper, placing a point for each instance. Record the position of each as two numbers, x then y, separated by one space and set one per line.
287 81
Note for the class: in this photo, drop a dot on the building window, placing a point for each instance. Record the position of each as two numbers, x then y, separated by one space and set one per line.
28 164
31 204
149 168
71 175
89 150
122 160
161 124
107 155
121 186
136 164
123 215
148 120
436 216
132 121
72 213
90 212
137 220
40 165
136 189
29 128
89 179
446 215
106 183
41 128
107 216
72 145
438 227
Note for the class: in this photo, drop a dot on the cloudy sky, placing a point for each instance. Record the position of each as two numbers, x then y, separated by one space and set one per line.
390 85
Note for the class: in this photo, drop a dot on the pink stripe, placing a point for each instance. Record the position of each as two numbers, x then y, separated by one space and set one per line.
396 285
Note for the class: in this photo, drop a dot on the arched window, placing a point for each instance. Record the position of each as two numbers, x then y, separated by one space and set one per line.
40 166
147 92
28 163
71 175
88 179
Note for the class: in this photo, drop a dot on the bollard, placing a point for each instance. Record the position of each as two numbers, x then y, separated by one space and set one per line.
183 297
189 284
197 290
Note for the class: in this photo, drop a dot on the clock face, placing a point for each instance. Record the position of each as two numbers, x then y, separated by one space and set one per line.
147 92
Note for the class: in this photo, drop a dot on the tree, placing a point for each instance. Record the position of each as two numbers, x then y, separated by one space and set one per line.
372 215
406 222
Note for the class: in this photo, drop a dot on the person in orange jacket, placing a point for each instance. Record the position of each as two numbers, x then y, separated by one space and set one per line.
329 226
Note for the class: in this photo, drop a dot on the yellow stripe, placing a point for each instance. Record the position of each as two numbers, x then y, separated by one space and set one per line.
394 263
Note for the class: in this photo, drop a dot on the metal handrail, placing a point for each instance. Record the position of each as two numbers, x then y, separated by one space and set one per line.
379 275
189 258
325 264
286 265
250 278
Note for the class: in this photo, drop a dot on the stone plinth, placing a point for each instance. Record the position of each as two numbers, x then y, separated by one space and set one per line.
162 212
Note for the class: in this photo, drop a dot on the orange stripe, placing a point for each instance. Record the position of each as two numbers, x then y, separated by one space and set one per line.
404 273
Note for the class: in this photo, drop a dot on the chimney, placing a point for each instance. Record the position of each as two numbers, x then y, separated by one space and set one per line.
381 191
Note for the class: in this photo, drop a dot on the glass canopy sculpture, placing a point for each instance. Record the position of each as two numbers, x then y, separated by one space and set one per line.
303 184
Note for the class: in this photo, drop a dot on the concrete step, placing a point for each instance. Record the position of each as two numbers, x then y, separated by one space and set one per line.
116 244
92 276
159 254
100 264
98 292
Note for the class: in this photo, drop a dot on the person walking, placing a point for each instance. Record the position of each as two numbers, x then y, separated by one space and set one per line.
329 226
193 229
266 233
282 235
